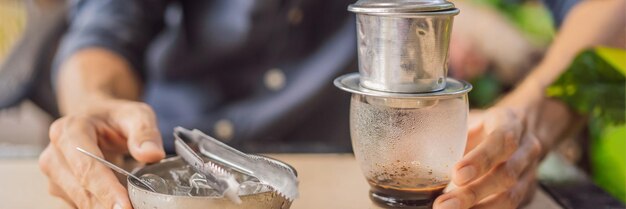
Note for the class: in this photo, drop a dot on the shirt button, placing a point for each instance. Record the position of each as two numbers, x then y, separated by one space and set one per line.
224 129
274 79
295 15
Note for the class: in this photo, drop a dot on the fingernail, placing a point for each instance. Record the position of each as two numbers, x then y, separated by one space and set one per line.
466 174
117 206
452 203
148 146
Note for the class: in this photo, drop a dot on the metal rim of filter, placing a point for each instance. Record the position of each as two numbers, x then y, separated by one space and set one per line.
351 83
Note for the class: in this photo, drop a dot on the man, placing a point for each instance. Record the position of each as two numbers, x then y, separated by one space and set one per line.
255 74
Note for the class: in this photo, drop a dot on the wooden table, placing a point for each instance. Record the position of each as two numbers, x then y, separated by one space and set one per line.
327 181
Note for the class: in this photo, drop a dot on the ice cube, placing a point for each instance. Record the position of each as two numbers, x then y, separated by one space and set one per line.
200 186
181 191
156 182
252 187
198 180
181 175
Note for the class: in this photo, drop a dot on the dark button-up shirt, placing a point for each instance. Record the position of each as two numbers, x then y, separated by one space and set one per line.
254 73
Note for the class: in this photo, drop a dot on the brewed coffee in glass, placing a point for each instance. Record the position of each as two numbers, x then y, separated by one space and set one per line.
407 147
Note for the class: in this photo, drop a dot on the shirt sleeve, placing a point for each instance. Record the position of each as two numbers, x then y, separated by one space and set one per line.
125 27
559 9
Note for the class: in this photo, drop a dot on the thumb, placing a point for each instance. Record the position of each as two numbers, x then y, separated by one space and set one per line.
138 123
474 129
145 144
475 120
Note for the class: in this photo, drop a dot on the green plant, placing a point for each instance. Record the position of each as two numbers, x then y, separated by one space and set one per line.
595 85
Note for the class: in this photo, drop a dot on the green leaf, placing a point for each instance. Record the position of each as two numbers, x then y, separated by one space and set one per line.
607 158
615 57
534 20
595 85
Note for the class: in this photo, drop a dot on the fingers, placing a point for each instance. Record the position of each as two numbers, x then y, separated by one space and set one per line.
62 176
502 178
62 181
56 191
82 173
475 118
511 198
113 142
138 122
496 143
497 148
474 132
47 161
81 180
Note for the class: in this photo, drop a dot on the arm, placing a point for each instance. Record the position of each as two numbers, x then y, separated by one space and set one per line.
97 85
509 139
584 27
590 23
92 75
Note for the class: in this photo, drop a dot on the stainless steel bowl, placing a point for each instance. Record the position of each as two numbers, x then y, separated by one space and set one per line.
404 52
144 199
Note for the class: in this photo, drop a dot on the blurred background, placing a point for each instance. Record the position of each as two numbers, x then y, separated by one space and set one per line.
493 45
30 31
23 30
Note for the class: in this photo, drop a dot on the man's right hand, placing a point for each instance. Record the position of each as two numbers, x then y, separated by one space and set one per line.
108 128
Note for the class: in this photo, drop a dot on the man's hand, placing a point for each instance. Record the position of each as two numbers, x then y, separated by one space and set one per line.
498 170
108 128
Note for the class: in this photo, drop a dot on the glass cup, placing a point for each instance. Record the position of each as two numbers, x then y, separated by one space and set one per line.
407 147
179 196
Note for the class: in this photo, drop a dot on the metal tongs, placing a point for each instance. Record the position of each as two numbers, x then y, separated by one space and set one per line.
279 178
217 178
